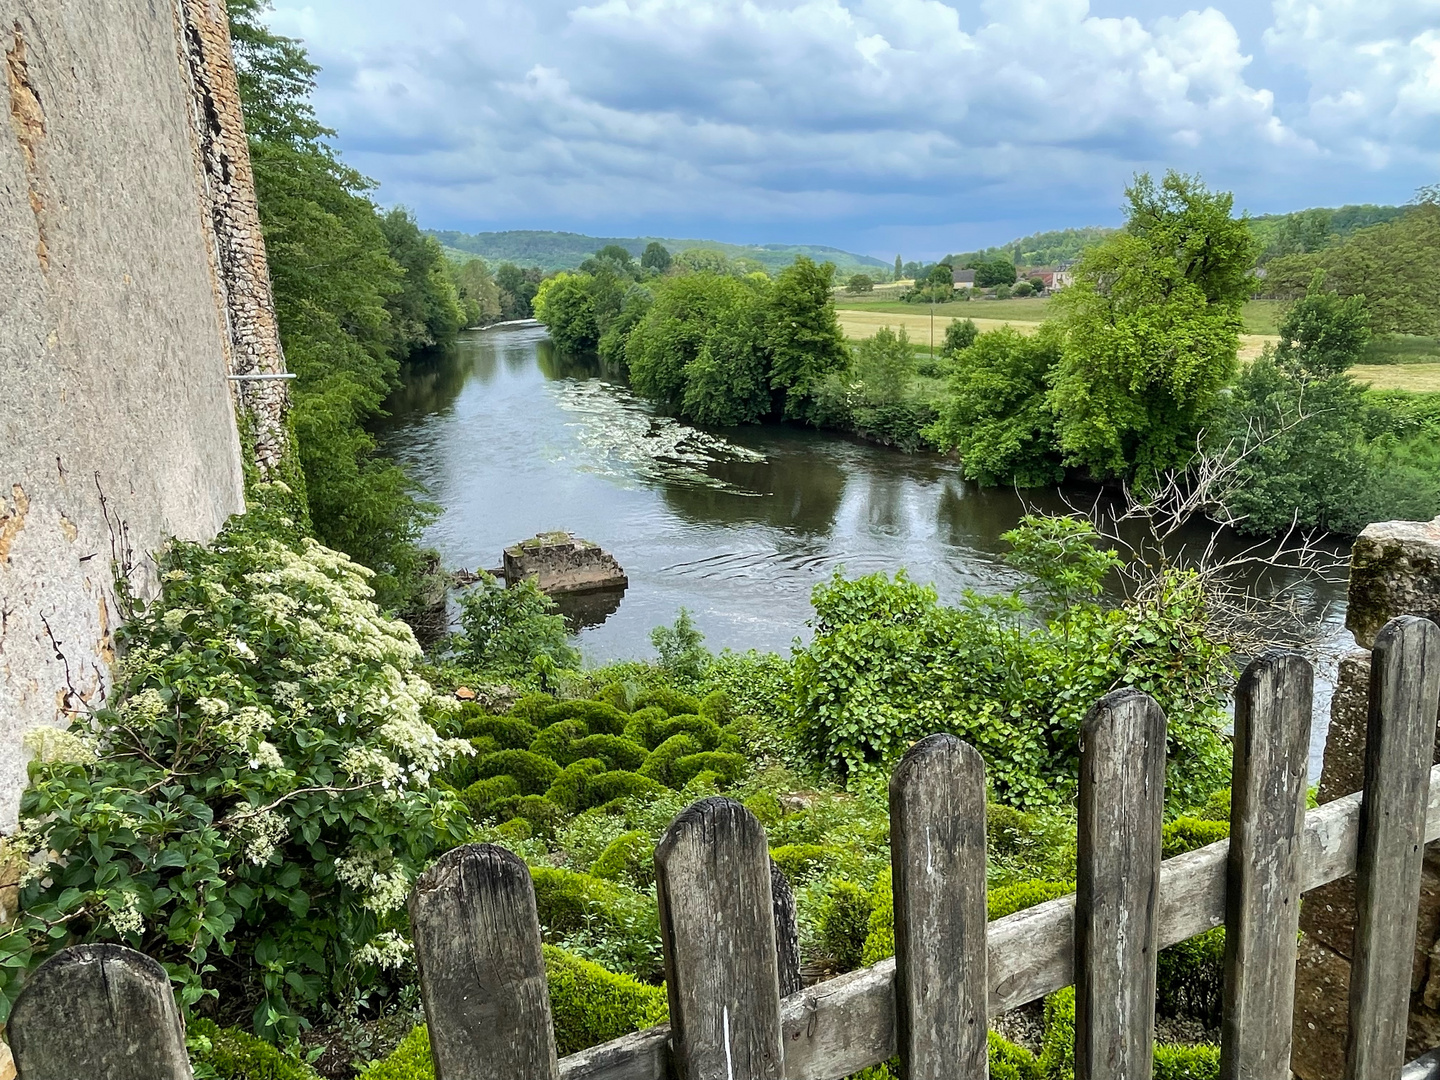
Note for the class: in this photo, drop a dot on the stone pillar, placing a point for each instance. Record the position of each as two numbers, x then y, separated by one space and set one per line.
239 267
1394 570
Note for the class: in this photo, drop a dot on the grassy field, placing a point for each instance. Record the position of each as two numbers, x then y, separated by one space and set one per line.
1419 378
859 323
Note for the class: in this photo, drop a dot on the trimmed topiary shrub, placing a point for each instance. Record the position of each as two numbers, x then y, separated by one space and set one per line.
672 701
705 732
630 858
557 742
880 936
799 862
616 751
615 694
509 732
608 786
531 771
570 791
591 1005
599 717
1188 833
641 726
718 706
844 924
726 768
660 765
233 1054
1025 894
1187 1062
539 812
531 706
567 900
480 797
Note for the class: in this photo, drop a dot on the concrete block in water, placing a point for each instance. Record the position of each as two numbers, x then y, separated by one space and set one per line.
561 563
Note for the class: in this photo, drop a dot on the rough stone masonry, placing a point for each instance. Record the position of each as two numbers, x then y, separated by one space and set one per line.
133 283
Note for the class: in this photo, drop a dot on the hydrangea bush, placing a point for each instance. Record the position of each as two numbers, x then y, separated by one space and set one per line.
254 803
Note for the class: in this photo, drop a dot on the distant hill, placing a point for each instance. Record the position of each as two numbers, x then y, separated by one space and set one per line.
1038 249
565 251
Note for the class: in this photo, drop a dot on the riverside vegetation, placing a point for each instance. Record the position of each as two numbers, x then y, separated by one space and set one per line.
280 761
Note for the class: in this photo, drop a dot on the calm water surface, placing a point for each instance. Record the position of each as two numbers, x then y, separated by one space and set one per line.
736 526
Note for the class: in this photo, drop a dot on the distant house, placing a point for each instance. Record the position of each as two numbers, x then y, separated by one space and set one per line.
964 279
1050 279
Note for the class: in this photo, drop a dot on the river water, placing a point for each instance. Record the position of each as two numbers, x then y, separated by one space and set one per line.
737 527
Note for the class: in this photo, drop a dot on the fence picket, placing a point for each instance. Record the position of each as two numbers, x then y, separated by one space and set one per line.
787 932
717 925
1122 802
482 972
1262 904
1404 692
937 845
98 1011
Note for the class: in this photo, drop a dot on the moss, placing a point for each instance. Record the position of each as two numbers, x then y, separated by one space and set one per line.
571 788
532 772
672 701
509 732
705 732
802 861
237 1055
1188 833
616 751
608 786
481 796
630 857
660 765
557 742
591 1005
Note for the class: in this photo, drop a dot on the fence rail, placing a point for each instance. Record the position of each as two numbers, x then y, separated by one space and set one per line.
726 930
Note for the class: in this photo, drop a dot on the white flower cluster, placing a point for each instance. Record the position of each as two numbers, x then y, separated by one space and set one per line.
244 724
267 757
366 765
385 884
127 919
56 746
259 833
388 951
212 707
144 708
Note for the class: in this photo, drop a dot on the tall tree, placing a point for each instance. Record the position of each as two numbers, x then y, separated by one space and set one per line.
1152 329
655 257
803 335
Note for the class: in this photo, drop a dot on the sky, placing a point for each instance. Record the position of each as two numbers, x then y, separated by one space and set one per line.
880 126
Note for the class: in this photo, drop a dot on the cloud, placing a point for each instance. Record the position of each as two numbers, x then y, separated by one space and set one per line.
847 115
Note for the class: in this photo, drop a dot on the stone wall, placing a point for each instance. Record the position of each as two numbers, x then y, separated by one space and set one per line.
1394 570
134 284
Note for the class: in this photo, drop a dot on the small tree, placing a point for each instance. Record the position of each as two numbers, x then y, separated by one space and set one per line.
1322 335
860 283
960 334
994 272
885 364
1021 288
682 648
508 630
899 268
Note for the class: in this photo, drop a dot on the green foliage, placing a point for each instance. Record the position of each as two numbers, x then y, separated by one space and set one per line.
1152 328
804 338
682 648
800 862
478 292
507 631
1313 230
269 744
960 335
630 858
566 305
517 290
588 1005
354 293
231 1054
889 665
992 272
885 365
1322 335
997 417
1060 557
1185 833
1038 249
844 924
656 257
859 283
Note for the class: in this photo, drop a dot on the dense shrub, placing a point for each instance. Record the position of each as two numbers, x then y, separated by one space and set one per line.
671 700
269 743
511 632
509 732
630 858
231 1054
801 861
1057 1054
844 924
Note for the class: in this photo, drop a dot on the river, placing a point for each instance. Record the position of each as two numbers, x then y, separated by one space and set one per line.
511 439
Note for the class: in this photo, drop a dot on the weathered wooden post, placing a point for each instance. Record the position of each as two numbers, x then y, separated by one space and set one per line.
1122 803
787 932
1262 897
937 858
482 971
1399 742
101 1012
717 924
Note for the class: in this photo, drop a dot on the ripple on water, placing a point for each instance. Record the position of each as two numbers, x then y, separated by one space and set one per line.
621 438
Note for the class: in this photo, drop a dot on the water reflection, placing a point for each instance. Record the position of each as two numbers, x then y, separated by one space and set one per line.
738 526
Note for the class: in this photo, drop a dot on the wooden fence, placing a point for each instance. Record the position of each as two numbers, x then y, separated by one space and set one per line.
727 923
